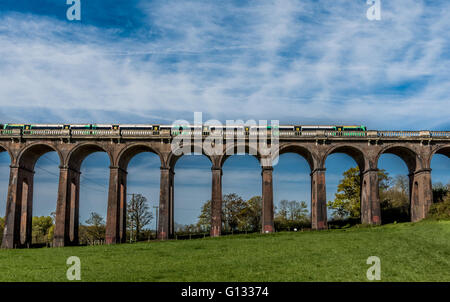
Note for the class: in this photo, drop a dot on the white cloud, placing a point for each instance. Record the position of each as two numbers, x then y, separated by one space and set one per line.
289 60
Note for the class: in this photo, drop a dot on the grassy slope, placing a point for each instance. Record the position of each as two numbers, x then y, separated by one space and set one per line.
408 252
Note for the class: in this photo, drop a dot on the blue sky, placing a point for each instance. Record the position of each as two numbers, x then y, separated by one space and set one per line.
159 61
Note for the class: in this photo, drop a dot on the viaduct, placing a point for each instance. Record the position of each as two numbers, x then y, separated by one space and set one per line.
416 148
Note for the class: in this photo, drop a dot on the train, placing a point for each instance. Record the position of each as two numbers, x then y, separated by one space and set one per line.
175 129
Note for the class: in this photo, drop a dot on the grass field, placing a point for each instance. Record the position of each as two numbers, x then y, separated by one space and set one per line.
408 252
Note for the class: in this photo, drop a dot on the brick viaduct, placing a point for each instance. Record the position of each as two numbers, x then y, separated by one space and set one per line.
416 148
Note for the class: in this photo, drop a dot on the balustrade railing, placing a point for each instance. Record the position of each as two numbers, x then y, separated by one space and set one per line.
398 133
440 133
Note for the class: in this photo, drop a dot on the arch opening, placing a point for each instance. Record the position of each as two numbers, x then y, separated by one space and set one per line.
143 184
440 167
242 183
5 162
395 190
344 167
191 196
43 189
89 195
292 191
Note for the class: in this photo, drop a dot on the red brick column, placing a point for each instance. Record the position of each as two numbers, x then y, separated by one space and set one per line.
318 200
421 194
267 200
370 199
216 202
67 208
117 206
17 232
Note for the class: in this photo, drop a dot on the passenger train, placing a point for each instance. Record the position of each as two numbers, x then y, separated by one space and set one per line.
180 129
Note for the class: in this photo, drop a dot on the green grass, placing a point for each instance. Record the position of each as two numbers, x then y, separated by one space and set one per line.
408 252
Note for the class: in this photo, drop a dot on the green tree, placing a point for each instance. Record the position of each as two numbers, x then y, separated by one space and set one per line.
347 201
237 214
441 209
40 227
395 200
232 206
204 220
138 215
50 234
250 216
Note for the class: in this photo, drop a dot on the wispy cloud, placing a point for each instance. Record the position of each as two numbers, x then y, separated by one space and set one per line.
290 60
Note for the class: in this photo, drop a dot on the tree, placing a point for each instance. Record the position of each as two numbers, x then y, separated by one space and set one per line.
347 201
204 220
291 214
394 201
440 191
232 207
249 219
138 214
236 214
441 209
40 228
96 229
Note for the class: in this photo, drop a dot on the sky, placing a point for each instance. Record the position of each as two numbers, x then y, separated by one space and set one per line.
298 62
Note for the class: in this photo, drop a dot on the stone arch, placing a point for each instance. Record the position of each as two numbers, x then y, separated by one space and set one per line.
369 196
444 150
29 155
409 156
354 152
77 155
125 156
303 151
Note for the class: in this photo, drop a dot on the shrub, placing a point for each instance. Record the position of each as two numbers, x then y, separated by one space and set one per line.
440 210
